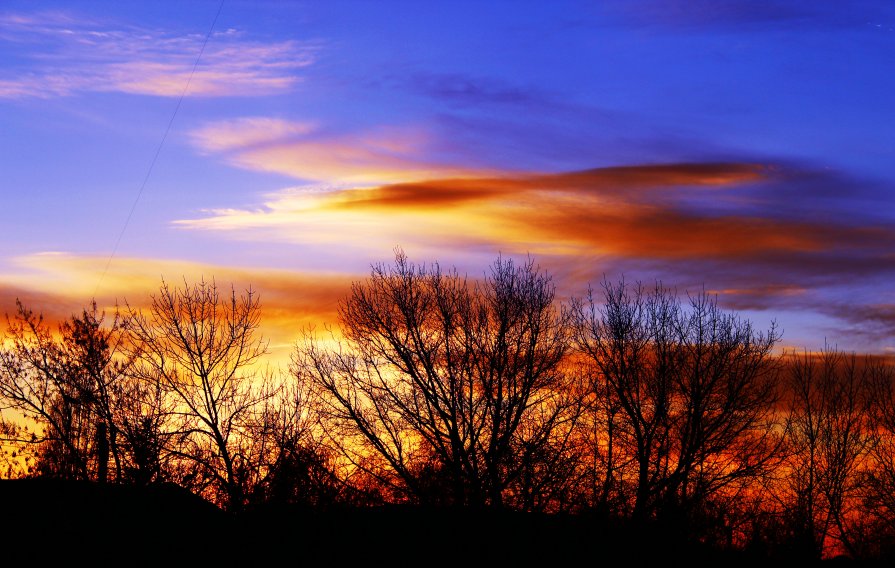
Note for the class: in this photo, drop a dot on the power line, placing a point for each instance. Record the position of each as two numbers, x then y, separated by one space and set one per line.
158 150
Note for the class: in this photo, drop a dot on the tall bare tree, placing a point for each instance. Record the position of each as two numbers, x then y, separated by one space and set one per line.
879 489
199 346
686 395
830 437
446 389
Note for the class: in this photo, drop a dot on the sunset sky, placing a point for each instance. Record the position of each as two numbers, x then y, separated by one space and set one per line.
747 148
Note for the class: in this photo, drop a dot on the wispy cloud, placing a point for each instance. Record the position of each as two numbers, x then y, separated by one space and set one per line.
475 91
308 152
248 132
61 55
736 14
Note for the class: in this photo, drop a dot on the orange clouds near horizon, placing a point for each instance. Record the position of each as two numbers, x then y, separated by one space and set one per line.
688 225
727 226
61 285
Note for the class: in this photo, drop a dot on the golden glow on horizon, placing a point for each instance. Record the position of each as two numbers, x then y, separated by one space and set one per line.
59 285
612 214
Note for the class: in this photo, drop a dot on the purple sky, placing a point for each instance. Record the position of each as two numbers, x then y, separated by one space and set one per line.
743 147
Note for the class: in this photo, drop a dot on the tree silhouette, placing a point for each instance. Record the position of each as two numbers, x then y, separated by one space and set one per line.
291 465
668 416
146 431
686 395
199 347
829 435
67 388
446 384
879 491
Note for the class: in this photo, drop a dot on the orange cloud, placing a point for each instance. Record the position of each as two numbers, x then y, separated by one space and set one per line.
628 184
653 232
687 224
59 285
769 290
610 211
735 227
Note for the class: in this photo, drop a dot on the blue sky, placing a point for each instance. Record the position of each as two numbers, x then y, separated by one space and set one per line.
742 147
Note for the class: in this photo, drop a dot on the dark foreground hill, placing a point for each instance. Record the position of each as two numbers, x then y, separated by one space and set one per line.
54 523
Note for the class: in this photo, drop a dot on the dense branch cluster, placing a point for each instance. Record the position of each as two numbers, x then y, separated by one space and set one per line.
629 402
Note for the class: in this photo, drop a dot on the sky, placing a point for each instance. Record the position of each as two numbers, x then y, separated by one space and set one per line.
742 148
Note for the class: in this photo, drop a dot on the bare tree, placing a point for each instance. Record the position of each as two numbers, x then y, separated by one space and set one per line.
200 348
829 437
145 418
66 387
444 385
686 396
878 490
291 464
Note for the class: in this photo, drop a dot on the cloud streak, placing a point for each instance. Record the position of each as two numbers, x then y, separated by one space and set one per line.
742 14
623 211
305 151
714 224
63 56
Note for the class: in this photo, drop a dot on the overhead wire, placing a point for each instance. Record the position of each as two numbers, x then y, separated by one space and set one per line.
158 151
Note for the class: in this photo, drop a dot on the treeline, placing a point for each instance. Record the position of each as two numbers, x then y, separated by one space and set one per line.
628 403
